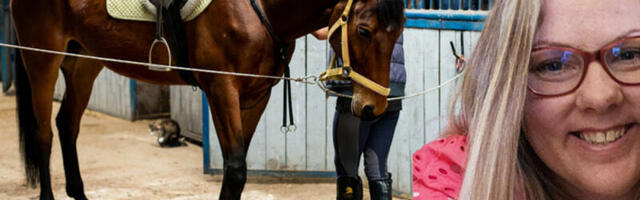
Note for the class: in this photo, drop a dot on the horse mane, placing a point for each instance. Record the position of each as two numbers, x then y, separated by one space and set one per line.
390 14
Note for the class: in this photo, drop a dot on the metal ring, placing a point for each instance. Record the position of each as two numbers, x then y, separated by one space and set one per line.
292 128
166 45
345 72
288 129
344 19
459 64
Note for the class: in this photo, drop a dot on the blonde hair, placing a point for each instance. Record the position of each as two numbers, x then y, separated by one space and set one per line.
501 162
492 98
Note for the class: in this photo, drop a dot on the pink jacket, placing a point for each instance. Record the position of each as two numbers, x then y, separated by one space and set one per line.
438 168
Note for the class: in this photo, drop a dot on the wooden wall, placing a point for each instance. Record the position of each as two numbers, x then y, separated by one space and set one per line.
309 150
186 109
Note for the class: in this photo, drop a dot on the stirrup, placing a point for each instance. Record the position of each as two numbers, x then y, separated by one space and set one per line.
166 45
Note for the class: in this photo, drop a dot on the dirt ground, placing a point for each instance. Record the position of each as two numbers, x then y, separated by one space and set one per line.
119 160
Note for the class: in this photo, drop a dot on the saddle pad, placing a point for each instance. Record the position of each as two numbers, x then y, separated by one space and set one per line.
135 9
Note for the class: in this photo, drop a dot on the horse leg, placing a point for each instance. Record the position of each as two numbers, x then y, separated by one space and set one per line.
34 108
225 111
79 75
251 115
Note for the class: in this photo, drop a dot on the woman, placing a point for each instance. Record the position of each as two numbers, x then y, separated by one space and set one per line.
550 105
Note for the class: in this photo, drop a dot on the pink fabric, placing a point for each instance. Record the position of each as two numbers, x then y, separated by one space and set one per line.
438 168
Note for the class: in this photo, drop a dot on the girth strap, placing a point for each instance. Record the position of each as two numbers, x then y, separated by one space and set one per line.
281 50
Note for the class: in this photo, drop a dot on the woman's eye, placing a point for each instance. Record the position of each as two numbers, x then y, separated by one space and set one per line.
549 66
628 55
624 59
364 32
556 70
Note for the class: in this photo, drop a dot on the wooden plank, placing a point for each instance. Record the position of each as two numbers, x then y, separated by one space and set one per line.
276 141
468 41
215 152
296 141
58 93
330 155
403 176
256 157
431 59
316 107
153 101
470 38
186 109
111 95
121 93
409 133
447 71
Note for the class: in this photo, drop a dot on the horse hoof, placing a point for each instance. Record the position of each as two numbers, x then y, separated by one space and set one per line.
46 196
79 197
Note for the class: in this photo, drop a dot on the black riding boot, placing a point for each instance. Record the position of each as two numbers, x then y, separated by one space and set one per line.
381 189
349 188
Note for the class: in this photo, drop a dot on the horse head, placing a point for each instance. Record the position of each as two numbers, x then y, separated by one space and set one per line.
372 28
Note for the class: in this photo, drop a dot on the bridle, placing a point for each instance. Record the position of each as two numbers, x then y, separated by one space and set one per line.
346 72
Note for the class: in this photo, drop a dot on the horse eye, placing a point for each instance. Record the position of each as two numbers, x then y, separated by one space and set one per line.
364 32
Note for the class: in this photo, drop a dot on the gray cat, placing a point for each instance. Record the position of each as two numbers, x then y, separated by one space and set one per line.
168 132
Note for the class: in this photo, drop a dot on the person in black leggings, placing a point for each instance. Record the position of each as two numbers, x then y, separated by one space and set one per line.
372 138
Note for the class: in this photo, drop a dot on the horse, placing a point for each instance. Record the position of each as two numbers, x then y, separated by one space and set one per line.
228 36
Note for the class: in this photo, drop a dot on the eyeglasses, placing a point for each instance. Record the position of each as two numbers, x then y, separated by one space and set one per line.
556 71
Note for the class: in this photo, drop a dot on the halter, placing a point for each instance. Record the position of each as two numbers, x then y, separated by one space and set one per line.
345 72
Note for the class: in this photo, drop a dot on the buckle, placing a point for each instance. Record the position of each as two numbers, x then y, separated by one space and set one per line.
345 72
344 19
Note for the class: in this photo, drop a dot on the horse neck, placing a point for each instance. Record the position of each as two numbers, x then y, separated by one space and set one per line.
294 18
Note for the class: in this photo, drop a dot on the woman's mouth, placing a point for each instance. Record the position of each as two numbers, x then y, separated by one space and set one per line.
603 137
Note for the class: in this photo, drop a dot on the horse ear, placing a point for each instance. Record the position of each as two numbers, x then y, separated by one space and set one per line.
364 1
394 26
391 14
390 28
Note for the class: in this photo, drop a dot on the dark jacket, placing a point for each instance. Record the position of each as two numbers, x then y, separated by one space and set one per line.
397 79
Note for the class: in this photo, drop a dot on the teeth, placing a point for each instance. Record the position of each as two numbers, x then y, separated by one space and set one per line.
602 137
612 135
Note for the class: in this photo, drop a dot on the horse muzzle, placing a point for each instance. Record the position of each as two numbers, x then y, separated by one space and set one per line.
367 113
367 106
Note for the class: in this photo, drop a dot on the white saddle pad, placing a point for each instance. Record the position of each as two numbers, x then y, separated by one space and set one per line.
143 10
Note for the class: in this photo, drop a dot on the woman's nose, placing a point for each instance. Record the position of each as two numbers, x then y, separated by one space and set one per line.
599 92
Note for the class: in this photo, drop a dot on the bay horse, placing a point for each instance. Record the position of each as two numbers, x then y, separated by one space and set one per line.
227 36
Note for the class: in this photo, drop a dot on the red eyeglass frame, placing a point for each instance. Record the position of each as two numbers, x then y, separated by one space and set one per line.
587 57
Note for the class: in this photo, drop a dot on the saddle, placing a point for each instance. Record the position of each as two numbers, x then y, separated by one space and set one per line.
144 10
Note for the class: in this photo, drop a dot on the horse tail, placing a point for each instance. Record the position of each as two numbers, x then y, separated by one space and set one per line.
27 123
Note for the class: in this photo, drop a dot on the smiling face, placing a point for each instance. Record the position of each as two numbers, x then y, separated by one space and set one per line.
590 138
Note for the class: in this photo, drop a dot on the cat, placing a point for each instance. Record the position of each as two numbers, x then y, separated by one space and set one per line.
168 132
